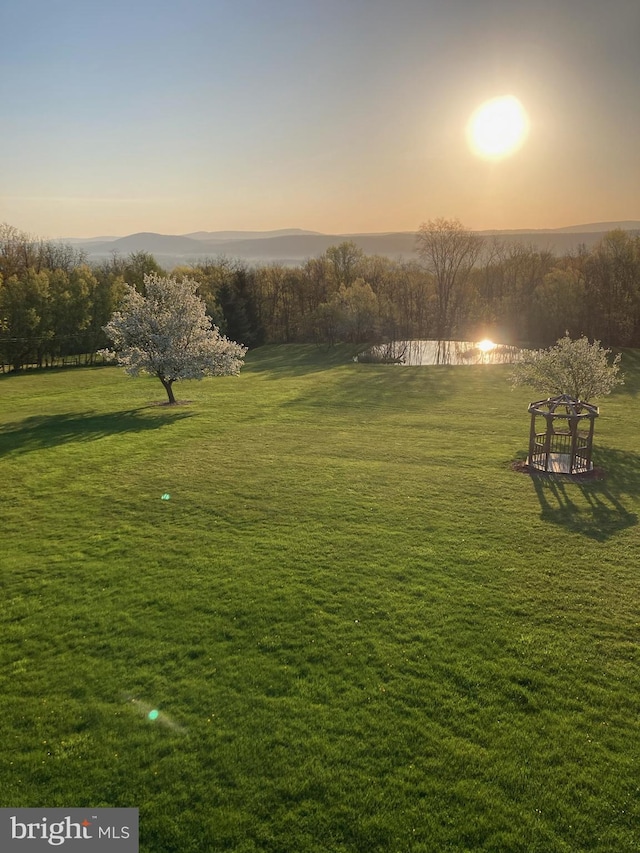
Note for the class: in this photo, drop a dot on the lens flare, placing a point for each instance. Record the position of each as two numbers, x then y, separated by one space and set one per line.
150 713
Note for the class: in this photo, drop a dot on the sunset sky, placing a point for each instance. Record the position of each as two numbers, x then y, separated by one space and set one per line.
332 115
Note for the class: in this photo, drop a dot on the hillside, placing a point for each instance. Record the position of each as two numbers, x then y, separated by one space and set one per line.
294 246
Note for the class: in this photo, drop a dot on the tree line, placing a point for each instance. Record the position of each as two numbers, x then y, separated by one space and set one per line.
54 305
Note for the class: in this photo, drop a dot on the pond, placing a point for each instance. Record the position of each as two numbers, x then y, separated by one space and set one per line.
440 352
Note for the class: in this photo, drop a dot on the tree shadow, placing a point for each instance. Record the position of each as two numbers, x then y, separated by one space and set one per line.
44 431
593 507
278 360
630 367
375 388
367 387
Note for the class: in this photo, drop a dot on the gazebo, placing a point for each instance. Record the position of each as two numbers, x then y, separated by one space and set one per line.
564 446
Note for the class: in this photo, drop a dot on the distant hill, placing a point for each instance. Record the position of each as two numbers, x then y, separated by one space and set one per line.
146 242
223 236
601 226
592 228
293 246
75 241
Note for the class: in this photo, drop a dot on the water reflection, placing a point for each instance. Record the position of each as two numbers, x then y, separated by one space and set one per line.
439 352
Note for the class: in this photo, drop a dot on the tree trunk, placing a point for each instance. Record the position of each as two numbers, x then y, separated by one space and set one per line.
167 387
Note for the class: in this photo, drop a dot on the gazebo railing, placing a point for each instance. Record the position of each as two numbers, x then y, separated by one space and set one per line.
560 444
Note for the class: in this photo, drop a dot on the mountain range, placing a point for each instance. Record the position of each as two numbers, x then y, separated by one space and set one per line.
292 246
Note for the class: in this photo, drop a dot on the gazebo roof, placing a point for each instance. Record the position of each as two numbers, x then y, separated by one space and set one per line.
568 406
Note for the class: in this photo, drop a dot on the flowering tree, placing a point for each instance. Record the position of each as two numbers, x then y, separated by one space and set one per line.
168 334
577 368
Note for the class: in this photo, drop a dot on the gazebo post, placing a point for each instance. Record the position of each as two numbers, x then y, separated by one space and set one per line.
532 437
573 429
547 440
590 443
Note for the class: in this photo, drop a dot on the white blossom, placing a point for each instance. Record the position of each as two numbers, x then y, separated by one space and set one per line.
167 334
577 368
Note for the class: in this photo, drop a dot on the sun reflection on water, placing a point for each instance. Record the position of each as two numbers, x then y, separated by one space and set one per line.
426 352
486 345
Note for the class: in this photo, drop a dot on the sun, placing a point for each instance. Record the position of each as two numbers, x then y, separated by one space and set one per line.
498 128
486 345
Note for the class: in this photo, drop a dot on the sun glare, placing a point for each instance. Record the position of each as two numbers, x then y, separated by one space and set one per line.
498 128
486 345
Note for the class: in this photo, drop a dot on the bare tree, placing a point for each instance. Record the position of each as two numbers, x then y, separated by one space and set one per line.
449 252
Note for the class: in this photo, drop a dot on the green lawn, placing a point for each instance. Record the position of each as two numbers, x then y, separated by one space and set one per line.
363 631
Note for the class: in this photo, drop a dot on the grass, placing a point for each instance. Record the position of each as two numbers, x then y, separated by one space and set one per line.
362 630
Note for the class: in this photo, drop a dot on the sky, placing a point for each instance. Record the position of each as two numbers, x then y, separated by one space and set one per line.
340 116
